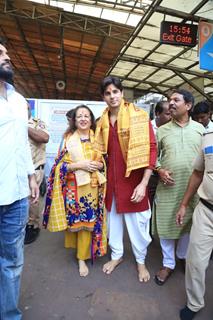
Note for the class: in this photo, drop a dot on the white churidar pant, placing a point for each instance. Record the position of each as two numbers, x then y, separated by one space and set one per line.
138 229
168 250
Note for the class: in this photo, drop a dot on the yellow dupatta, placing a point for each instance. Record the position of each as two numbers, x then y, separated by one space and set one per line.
74 147
57 215
133 134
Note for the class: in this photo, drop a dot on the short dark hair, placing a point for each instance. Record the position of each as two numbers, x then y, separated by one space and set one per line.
159 107
110 80
201 107
2 41
73 126
187 96
70 113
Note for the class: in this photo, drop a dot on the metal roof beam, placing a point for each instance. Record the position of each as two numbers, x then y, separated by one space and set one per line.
137 93
123 5
93 66
62 59
168 67
78 67
27 74
68 20
21 32
139 27
194 86
46 51
151 83
180 14
184 20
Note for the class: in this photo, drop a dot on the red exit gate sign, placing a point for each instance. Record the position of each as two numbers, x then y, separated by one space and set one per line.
178 33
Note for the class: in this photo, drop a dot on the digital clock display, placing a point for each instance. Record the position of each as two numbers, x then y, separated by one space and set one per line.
178 33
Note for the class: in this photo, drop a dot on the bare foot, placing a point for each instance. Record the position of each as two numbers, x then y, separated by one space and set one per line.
83 269
143 273
111 265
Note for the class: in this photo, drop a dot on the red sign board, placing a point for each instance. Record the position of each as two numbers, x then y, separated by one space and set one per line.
181 34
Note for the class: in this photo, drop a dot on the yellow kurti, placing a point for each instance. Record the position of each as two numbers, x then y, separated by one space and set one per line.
75 200
78 235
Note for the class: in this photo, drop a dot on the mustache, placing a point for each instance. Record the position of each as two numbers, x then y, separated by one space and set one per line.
6 63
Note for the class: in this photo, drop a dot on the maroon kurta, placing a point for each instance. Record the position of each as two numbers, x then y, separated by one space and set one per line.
122 188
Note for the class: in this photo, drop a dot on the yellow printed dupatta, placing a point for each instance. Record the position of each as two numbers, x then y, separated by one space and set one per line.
133 134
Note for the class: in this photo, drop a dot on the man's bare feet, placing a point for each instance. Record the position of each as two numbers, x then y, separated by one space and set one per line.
111 265
83 269
143 273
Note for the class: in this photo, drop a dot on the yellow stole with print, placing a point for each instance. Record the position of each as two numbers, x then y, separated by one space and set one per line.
74 147
133 134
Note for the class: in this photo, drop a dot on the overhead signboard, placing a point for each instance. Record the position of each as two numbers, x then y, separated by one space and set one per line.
181 34
206 45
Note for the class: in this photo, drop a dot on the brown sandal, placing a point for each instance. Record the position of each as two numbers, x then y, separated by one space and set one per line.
163 275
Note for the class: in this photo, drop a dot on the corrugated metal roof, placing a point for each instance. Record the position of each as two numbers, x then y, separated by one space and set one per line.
79 42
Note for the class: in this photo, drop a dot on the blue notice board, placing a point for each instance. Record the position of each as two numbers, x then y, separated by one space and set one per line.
206 45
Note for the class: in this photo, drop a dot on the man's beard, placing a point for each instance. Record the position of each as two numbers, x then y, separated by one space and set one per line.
6 74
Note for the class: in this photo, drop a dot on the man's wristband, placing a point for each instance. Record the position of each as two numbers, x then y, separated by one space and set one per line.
157 169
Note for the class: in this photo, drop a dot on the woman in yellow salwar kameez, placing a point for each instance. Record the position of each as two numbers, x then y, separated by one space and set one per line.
79 181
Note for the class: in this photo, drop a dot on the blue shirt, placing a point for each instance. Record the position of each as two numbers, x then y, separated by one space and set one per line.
15 156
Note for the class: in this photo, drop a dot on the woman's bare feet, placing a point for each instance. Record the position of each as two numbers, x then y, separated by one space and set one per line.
111 265
143 273
83 269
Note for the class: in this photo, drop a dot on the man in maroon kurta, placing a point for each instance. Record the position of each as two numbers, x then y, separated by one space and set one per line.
126 196
117 184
